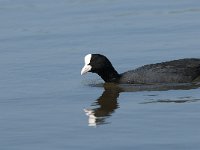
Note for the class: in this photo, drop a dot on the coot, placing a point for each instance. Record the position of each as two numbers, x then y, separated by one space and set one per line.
176 71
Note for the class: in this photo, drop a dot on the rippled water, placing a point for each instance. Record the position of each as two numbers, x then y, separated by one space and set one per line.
46 104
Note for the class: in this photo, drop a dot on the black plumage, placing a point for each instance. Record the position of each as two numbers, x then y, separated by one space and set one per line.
176 71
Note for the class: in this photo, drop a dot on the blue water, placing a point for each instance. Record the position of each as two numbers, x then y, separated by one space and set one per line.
46 104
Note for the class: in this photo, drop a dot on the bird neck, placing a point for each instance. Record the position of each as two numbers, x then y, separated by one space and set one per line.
109 75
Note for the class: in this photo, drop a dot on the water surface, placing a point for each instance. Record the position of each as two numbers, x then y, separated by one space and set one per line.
46 104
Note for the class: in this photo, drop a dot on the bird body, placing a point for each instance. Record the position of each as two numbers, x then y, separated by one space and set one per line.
176 71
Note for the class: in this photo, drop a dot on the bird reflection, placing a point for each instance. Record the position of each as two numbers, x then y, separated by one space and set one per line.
106 104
